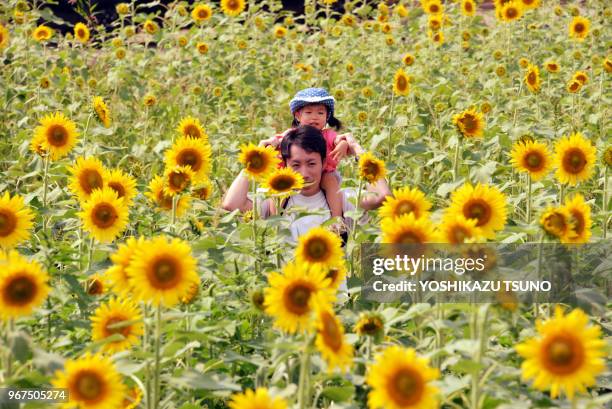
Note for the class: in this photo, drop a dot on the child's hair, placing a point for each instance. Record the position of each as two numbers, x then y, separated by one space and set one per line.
332 120
306 137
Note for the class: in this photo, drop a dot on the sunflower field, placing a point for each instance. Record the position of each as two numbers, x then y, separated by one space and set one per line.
124 282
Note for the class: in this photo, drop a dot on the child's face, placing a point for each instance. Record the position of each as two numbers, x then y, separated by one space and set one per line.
313 115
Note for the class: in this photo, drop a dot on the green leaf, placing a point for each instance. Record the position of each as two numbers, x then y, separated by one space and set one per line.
339 393
192 379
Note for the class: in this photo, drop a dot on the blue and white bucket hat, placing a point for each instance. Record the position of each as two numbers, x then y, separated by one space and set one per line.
312 96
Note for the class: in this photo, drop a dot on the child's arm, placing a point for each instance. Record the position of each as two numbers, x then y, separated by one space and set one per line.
353 147
330 184
275 140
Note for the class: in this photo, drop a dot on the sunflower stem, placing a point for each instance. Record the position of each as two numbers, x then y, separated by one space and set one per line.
85 130
45 188
158 323
561 193
174 204
359 190
254 225
456 161
528 199
303 388
370 345
90 255
605 201
389 143
536 311
480 329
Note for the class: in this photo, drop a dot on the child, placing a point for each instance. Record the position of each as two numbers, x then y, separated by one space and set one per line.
315 107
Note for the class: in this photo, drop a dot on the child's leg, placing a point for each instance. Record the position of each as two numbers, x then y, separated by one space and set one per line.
331 185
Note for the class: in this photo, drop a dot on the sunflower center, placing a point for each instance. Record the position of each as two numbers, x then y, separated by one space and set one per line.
57 135
81 32
468 7
574 161
408 238
531 78
574 85
89 386
534 160
255 162
371 327
555 223
371 169
91 179
117 187
104 215
434 8
511 12
402 84
124 330
164 201
317 249
20 291
282 183
233 5
189 157
478 210
404 208
563 354
579 27
178 181
332 274
165 273
578 222
459 234
202 14
94 287
469 123
8 222
297 298
406 387
192 130
331 333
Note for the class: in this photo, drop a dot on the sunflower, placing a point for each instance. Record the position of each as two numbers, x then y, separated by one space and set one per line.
319 247
280 31
81 32
202 190
192 128
552 66
575 159
370 324
4 37
162 271
573 86
201 13
400 10
42 33
157 194
458 229
434 22
484 203
468 7
336 275
566 355
117 273
292 296
530 4
232 8
23 286
15 221
580 214
191 294
533 158
558 222
400 379
607 64
123 184
259 161
581 77
436 36
408 59
192 153
532 78
331 342
95 285
104 215
202 47
511 11
370 168
283 182
132 398
122 9
149 100
92 382
470 123
151 26
579 28
404 201
432 6
401 83
102 111
88 174
177 179
407 229
260 399
124 315
56 134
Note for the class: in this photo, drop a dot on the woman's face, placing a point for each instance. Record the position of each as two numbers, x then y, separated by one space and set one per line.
313 115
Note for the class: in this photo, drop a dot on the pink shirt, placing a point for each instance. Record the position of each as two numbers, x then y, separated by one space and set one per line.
330 136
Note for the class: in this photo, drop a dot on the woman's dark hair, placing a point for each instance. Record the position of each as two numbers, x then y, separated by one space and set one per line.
306 137
332 121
